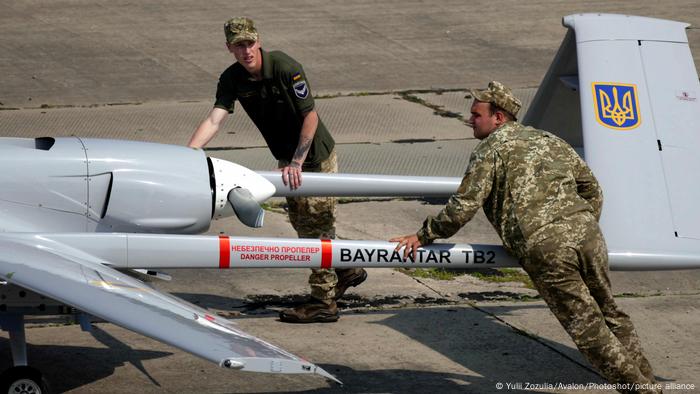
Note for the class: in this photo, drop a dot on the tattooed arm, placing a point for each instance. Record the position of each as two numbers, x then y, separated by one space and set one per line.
291 174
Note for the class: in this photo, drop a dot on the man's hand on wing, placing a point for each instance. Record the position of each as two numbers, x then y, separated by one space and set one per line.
409 242
291 175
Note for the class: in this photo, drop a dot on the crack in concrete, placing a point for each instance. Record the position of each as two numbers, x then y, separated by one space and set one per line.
498 296
428 286
265 304
387 93
437 109
657 294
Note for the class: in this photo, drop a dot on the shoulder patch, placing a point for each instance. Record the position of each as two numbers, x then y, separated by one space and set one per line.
296 77
301 90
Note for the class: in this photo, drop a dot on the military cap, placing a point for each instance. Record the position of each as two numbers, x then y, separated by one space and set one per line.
240 29
500 95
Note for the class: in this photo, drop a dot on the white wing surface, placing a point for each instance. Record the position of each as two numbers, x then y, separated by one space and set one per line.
75 278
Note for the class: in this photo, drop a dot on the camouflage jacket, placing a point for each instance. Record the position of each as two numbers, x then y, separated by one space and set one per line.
525 179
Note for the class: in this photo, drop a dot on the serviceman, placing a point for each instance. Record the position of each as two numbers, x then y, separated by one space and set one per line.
545 203
273 90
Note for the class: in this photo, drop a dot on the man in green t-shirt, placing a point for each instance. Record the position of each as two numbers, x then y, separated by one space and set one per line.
273 90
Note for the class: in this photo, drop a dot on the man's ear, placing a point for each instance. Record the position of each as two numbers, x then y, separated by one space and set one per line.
501 118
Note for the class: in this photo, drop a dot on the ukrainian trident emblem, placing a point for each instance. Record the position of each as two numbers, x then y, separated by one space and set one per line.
617 105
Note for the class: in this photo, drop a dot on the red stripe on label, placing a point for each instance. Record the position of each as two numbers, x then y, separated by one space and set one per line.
224 251
326 253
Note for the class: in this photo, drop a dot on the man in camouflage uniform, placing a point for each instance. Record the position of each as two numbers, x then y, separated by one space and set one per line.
273 90
545 203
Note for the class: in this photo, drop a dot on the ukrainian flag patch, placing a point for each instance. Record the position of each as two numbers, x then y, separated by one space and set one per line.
616 105
296 77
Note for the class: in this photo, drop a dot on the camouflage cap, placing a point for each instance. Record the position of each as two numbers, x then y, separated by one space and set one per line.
500 95
240 29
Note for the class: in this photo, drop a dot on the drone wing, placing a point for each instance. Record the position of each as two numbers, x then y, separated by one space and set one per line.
78 279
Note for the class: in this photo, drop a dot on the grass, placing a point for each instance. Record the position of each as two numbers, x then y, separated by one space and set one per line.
505 275
273 206
635 295
500 275
435 273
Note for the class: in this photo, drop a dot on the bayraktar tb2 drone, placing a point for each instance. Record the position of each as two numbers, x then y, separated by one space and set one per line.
76 213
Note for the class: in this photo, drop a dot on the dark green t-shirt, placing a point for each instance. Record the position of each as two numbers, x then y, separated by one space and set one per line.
276 105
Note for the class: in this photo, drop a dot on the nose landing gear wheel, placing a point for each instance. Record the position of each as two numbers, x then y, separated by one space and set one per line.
23 380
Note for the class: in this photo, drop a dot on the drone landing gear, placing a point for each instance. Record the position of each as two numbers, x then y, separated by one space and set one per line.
21 378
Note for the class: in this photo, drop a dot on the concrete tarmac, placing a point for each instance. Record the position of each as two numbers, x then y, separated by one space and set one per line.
389 79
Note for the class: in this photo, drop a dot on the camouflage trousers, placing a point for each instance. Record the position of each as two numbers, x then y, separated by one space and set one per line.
570 270
314 217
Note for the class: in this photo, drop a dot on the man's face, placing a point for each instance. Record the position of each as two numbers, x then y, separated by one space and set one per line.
482 121
247 53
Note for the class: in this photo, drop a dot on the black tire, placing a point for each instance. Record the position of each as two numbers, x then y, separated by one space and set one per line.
23 380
